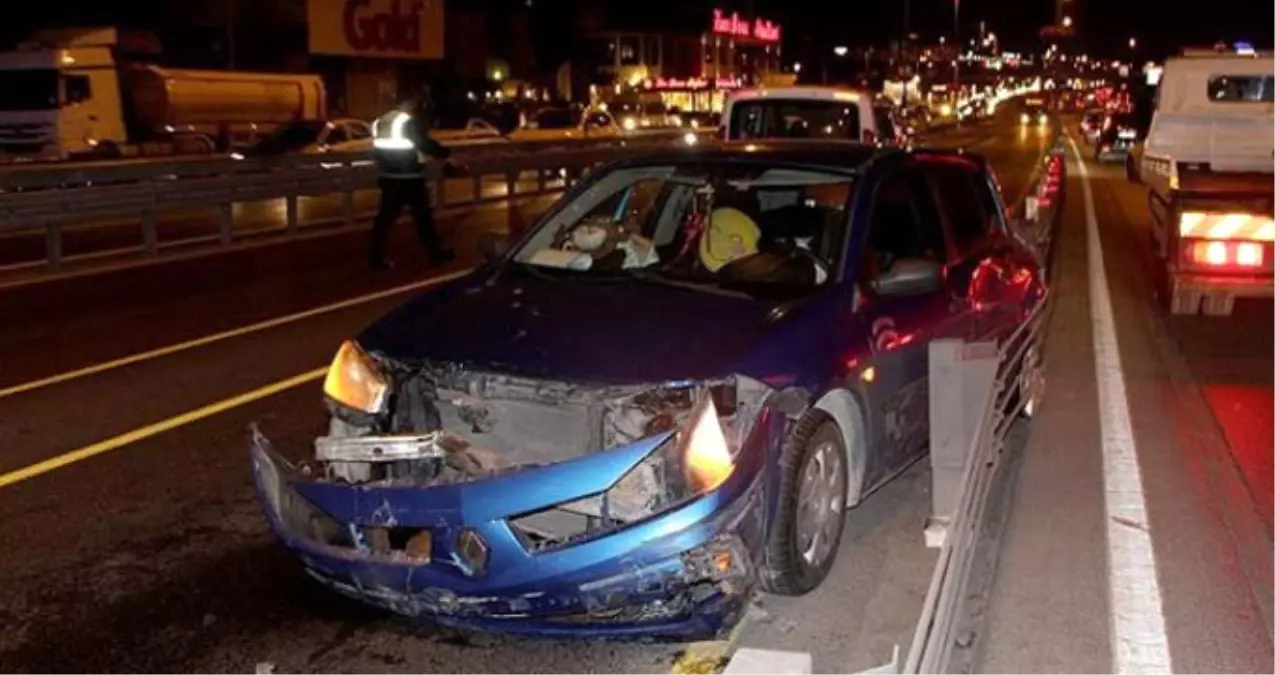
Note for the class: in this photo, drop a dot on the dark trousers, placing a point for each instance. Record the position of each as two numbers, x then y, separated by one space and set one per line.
397 193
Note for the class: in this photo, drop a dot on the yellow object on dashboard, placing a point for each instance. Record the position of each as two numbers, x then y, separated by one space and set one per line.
731 235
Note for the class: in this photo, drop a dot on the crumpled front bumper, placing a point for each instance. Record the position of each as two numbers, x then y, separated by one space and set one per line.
686 573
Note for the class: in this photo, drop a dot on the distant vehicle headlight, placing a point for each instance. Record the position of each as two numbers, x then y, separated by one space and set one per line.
675 120
629 123
690 138
1024 118
1043 119
945 109
236 155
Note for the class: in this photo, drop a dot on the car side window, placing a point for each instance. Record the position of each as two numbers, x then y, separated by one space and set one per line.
962 205
903 224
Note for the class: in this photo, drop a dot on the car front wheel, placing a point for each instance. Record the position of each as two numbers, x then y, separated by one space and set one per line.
805 538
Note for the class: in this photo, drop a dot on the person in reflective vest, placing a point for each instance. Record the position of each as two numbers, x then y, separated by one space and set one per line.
401 145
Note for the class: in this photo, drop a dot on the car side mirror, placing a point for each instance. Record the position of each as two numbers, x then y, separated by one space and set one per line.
494 246
910 276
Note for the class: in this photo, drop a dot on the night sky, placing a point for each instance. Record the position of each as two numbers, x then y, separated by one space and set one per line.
1104 26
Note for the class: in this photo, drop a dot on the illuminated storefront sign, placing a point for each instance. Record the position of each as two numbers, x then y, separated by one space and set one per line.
410 29
692 83
758 29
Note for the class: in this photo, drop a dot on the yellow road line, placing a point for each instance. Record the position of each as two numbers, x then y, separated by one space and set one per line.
157 428
225 335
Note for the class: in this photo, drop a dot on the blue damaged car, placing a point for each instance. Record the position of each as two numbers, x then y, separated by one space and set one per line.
661 398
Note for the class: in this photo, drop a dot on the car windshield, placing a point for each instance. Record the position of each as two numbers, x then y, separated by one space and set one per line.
713 226
773 118
29 89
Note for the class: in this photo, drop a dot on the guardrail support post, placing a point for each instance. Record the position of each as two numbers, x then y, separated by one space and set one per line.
227 223
961 377
53 246
511 183
150 235
290 204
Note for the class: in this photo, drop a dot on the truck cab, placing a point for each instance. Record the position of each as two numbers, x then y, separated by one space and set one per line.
1207 162
68 93
59 102
830 113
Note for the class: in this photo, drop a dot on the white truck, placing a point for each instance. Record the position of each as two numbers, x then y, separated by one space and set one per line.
1208 161
67 95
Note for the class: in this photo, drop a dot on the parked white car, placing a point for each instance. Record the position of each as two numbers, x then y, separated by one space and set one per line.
567 123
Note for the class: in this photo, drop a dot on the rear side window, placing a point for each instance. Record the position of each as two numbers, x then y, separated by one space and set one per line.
1242 88
963 206
794 119
904 223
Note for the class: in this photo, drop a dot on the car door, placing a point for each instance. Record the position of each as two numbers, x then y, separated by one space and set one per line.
904 231
985 275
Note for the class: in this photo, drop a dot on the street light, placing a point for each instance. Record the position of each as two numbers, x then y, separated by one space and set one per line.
840 50
1066 22
796 67
1133 43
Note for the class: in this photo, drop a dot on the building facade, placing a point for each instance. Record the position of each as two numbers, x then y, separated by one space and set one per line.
687 69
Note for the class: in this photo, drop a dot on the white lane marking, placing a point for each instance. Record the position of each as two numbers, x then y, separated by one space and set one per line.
1139 641
226 335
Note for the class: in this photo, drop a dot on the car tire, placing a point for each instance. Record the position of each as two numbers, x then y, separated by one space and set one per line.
815 451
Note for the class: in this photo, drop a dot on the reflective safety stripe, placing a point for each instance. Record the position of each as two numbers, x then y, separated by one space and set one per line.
395 140
1226 226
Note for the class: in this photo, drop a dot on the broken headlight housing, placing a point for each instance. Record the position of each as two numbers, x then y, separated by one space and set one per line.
354 381
694 461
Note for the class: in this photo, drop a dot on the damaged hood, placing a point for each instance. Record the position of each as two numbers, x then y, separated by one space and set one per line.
616 331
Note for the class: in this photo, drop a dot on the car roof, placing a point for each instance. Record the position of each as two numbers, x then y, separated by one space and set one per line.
813 93
847 156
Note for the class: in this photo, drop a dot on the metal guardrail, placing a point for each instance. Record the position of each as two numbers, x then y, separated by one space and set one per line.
977 391
224 183
55 175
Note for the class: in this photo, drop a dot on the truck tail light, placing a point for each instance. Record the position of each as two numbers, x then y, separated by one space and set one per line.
1225 255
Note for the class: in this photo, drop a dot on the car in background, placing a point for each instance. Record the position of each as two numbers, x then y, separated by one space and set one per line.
634 115
312 137
664 396
1035 112
1091 124
565 123
1116 137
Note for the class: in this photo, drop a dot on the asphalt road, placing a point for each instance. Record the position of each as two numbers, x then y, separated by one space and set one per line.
148 552
1199 393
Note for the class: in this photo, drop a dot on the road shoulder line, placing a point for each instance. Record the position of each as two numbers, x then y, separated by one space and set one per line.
1139 637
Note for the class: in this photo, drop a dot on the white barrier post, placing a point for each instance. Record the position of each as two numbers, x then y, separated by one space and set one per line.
961 375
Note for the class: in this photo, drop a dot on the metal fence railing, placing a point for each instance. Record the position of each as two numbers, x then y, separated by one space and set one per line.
142 195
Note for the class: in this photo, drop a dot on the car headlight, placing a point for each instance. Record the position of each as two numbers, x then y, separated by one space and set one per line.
694 461
630 124
354 381
1024 118
1042 119
675 120
690 138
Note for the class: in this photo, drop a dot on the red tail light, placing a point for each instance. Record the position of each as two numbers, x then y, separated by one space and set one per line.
1224 255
